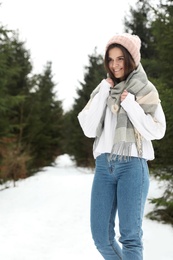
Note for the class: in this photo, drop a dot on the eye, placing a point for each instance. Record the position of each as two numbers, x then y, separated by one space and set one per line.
121 58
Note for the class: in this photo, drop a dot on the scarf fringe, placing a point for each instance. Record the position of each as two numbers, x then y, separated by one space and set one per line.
122 151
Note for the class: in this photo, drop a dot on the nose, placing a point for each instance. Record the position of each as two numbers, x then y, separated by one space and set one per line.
115 64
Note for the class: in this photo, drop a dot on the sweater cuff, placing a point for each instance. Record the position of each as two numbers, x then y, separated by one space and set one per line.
130 97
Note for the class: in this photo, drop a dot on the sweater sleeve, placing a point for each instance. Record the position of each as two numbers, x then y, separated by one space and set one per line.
90 116
149 127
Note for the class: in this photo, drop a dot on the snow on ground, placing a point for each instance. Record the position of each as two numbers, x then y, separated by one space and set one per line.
46 217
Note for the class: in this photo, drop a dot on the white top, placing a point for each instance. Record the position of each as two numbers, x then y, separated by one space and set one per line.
150 128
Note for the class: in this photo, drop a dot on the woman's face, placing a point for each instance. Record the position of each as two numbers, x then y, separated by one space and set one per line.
116 62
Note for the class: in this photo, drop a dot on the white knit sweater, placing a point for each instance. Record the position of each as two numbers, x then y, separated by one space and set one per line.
149 128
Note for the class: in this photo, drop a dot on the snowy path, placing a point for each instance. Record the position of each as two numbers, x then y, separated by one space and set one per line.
46 217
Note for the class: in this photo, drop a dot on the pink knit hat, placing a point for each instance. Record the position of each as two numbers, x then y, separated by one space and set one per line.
131 42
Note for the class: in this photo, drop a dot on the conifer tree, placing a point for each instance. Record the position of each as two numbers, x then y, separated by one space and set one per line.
138 22
43 133
31 117
163 35
14 68
77 145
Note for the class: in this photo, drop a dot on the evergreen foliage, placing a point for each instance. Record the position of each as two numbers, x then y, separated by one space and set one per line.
162 28
43 132
14 67
31 120
163 205
79 146
138 22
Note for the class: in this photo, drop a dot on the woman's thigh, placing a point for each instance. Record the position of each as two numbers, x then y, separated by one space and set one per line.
132 190
103 202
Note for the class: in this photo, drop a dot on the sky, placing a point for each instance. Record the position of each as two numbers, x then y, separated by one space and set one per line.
64 32
46 217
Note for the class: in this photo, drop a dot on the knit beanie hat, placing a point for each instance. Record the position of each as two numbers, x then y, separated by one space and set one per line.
129 41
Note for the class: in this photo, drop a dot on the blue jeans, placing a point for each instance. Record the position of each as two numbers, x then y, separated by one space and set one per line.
119 186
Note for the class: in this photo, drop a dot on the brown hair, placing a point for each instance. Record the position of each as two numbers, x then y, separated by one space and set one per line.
129 64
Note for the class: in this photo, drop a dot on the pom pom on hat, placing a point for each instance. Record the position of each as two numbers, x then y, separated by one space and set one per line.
129 41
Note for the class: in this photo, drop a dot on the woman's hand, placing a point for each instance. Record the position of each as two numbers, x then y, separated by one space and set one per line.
110 81
124 95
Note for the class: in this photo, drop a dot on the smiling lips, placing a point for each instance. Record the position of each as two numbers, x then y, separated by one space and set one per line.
115 71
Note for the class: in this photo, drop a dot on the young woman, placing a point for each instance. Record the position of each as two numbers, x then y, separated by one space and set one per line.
124 114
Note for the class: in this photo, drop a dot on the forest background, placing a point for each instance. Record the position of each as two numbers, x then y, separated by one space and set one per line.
34 128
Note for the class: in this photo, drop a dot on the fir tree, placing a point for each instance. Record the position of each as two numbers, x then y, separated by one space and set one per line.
43 133
14 68
79 146
31 116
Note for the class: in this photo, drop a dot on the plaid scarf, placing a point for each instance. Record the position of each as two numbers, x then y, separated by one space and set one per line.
147 97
